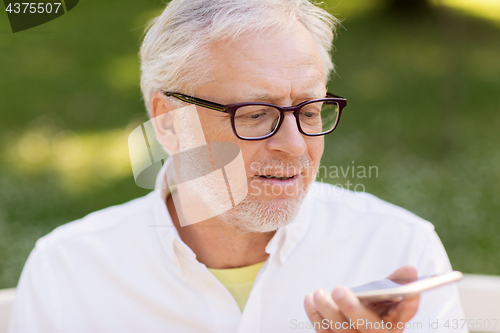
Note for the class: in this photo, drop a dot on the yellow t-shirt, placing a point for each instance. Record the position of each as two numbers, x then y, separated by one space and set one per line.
239 281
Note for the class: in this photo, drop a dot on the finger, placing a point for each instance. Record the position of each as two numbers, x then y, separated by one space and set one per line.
327 308
381 309
313 314
404 275
351 307
404 310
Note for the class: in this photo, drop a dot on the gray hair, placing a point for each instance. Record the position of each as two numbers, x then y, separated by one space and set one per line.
173 54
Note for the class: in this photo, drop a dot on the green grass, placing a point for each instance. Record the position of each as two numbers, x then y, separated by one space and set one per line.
422 107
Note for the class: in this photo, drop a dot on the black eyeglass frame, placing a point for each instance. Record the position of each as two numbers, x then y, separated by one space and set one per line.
232 108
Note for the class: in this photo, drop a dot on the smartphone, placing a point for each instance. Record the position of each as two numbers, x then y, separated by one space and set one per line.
381 296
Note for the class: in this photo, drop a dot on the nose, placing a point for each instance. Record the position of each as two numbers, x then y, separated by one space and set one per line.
288 139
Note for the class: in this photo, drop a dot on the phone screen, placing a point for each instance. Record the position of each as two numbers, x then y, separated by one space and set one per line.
377 285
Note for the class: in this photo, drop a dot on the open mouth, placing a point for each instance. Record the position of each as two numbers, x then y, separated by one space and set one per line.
277 177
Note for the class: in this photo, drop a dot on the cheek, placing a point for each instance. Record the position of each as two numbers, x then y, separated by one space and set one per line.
250 151
316 147
216 128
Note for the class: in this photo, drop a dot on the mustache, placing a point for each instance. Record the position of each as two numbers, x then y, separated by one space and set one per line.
278 165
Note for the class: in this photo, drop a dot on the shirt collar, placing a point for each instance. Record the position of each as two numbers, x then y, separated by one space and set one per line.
282 244
175 248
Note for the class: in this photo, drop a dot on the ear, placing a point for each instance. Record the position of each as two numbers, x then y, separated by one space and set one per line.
163 120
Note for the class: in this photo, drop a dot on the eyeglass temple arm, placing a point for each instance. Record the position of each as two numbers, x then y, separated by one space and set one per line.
197 101
212 105
329 94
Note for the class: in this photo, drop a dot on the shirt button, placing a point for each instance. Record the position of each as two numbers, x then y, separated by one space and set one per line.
208 284
285 250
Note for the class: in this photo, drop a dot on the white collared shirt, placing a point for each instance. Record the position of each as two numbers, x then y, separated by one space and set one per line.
125 269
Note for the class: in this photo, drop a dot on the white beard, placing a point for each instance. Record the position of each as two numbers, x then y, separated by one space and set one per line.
253 216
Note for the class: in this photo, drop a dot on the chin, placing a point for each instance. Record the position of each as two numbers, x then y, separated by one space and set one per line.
254 215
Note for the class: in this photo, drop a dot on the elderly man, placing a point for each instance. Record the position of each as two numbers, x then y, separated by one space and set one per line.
251 74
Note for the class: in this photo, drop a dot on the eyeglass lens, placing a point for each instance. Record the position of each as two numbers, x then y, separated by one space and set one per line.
253 121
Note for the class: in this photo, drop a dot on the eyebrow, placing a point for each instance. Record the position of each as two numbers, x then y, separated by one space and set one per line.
266 97
258 96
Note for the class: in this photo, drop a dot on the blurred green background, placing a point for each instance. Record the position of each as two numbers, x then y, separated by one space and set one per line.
423 98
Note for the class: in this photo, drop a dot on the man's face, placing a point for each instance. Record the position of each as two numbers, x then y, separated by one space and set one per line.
284 72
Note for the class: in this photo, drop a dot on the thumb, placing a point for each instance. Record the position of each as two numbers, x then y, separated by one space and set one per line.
404 275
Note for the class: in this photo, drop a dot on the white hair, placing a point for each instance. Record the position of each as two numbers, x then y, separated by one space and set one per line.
174 56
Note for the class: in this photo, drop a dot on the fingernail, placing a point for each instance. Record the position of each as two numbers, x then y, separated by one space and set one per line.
309 298
338 293
318 294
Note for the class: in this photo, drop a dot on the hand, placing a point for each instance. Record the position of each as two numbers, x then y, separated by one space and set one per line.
342 311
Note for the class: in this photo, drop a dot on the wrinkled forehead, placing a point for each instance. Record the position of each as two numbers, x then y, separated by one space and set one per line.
268 64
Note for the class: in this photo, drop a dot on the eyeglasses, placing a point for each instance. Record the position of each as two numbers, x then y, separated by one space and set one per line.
258 121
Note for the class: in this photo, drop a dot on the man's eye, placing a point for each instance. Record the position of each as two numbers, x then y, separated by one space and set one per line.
256 115
309 114
252 114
